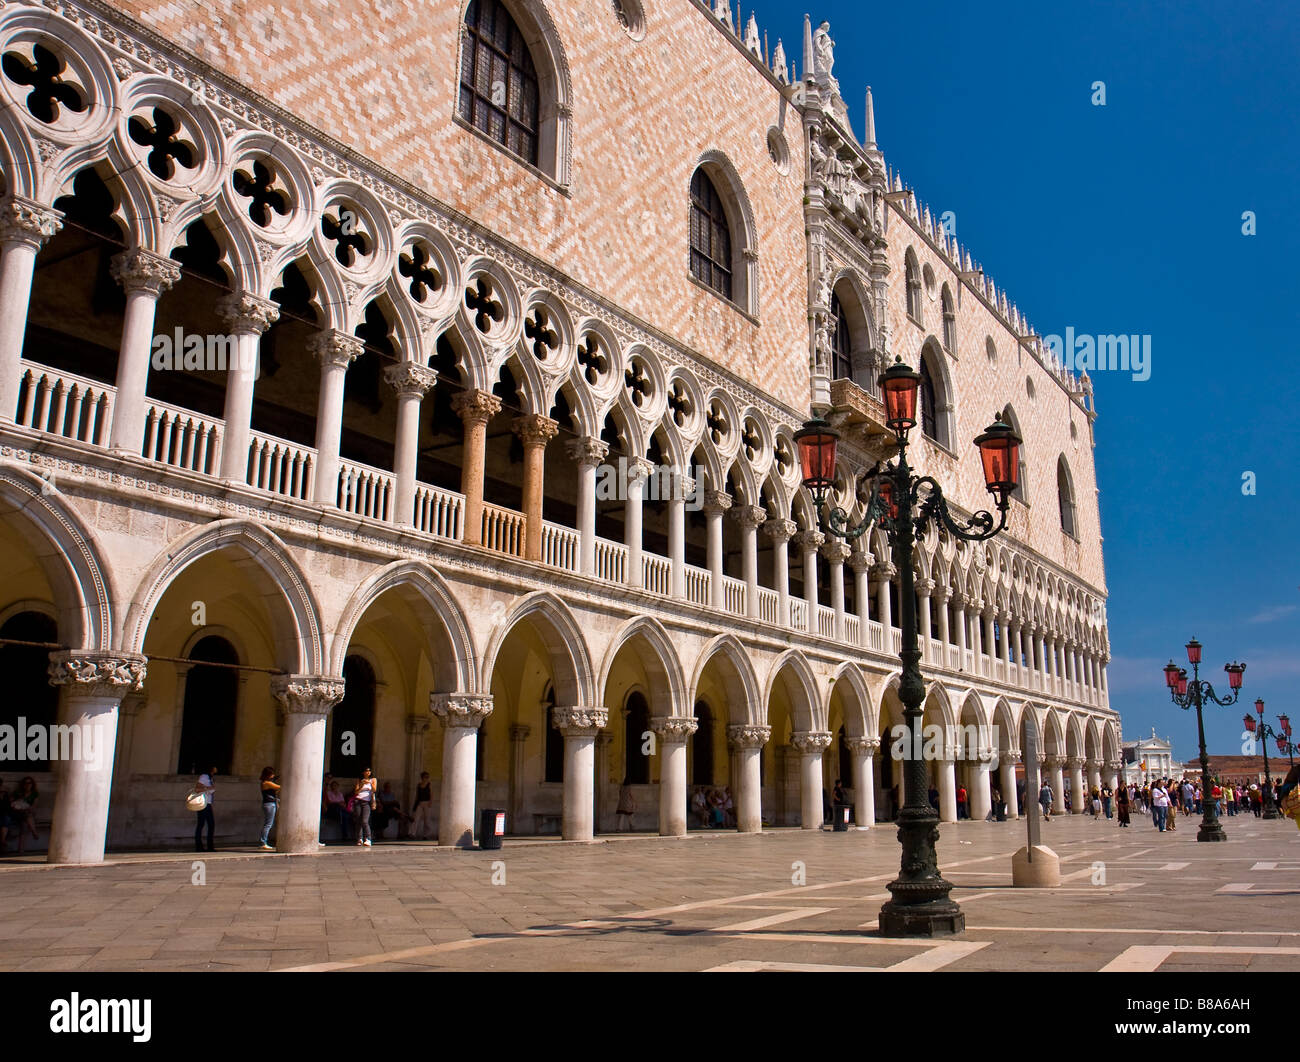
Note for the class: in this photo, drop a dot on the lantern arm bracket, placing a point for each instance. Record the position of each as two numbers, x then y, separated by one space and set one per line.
982 525
1201 690
837 520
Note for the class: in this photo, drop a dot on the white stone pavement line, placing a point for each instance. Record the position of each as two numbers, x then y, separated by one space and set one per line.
772 920
1241 888
759 966
1147 958
935 958
1277 866
1101 931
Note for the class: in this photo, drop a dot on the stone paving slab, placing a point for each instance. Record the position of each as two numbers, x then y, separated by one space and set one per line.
719 901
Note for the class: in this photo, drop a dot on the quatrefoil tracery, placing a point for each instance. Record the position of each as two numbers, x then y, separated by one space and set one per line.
263 191
342 227
679 401
418 267
544 341
638 383
717 423
481 301
593 359
44 74
751 440
168 148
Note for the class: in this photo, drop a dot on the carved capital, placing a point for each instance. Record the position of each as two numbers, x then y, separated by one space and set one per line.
861 562
460 709
587 452
780 530
520 731
809 541
836 551
638 471
97 674
863 746
476 407
418 724
26 222
884 571
247 314
924 587
307 694
716 502
748 735
406 378
674 729
1077 763
534 429
810 742
580 722
942 593
335 349
141 270
750 517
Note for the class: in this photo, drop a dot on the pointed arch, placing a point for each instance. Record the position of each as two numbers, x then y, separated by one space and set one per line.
563 638
661 663
860 725
724 179
793 662
746 681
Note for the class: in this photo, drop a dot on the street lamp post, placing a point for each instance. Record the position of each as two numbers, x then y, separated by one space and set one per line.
1284 742
1194 694
903 505
1265 732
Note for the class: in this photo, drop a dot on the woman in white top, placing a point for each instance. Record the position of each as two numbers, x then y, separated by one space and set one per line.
1159 805
363 800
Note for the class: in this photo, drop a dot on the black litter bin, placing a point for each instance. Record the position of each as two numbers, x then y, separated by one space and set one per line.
491 828
841 818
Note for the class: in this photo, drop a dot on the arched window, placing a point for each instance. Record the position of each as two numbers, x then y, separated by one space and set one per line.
949 321
353 722
927 404
29 694
208 716
711 262
1065 496
841 344
498 82
1022 477
636 767
702 746
913 279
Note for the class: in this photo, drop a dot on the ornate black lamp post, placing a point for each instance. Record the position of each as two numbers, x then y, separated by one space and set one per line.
904 505
1193 694
1265 732
1284 742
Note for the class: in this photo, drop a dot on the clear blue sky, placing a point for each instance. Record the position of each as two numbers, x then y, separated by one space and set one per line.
1127 218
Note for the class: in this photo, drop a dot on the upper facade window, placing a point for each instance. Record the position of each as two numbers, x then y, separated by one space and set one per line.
711 262
926 402
912 277
498 83
841 343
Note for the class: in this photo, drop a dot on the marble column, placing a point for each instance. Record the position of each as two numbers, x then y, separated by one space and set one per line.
475 409
1013 651
461 715
604 738
335 351
1076 785
588 453
306 700
417 727
750 517
861 564
980 794
941 595
836 551
810 745
1094 775
144 276
959 605
579 726
780 532
1112 773
716 504
947 786
1056 771
684 487
410 382
24 227
885 573
127 714
924 587
247 316
534 431
673 733
809 542
864 782
1008 783
990 640
747 741
515 804
91 687
638 471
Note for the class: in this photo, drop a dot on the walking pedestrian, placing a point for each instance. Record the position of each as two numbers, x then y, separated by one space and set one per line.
1045 798
204 817
1122 805
270 802
1107 795
1159 806
626 806
363 799
422 818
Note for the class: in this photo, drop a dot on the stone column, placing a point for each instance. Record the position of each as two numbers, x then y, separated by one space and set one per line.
864 782
683 487
716 503
947 786
410 382
1056 771
747 743
673 732
588 452
461 714
976 635
990 641
1013 649
144 276
127 714
518 736
638 471
941 595
861 563
810 745
247 316
750 517
836 551
923 589
1076 784
579 726
335 351
780 532
959 603
980 795
92 687
306 700
810 542
1008 783
1094 775
417 726
534 431
885 573
1112 773
603 740
475 409
24 228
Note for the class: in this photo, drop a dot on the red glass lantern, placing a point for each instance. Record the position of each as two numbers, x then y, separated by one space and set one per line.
1248 721
817 442
1281 744
1193 652
1285 722
999 448
1171 674
1182 683
898 388
1235 671
1259 707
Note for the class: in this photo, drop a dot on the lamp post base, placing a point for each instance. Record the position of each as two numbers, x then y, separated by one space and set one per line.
1271 812
939 918
1211 831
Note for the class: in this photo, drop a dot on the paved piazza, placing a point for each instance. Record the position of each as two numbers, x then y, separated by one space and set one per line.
706 902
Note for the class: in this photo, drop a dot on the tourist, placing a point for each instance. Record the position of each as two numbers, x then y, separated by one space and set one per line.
1107 795
700 807
270 801
1159 806
1171 819
389 809
1191 799
933 796
1096 803
995 798
22 810
1122 805
728 807
1253 794
962 797
716 817
422 819
336 808
626 806
204 817
363 799
1045 798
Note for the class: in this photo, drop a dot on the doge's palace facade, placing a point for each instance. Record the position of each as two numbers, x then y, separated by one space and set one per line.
413 386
